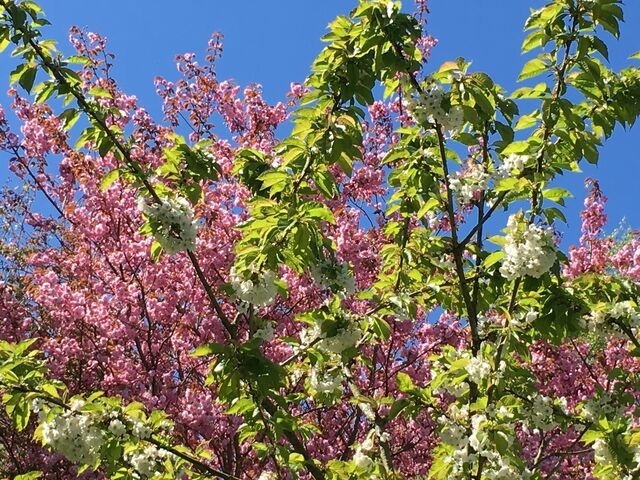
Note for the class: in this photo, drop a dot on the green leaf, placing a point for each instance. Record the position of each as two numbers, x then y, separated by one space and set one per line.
449 67
79 59
274 177
156 251
516 147
552 213
557 195
4 43
493 258
534 40
100 92
320 212
50 390
381 328
527 121
104 146
326 183
21 414
29 476
241 406
541 90
635 56
404 382
69 117
30 5
109 178
209 349
397 407
591 436
532 68
27 78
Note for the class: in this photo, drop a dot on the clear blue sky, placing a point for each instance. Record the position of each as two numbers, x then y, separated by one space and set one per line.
273 43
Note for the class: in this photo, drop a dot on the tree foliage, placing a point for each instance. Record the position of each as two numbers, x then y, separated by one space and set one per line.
378 294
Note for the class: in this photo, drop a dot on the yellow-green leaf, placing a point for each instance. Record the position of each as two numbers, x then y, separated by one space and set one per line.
532 68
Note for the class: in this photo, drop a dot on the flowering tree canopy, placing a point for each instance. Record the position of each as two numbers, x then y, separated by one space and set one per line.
378 294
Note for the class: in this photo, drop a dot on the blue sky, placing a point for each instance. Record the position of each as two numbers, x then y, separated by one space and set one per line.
273 43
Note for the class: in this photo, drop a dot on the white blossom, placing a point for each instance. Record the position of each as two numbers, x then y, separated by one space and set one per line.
259 289
73 435
37 404
140 430
117 427
345 338
325 382
540 415
479 438
427 107
268 475
501 470
531 316
513 163
76 405
601 452
626 311
265 333
363 461
478 369
145 462
528 250
468 183
597 407
174 226
334 276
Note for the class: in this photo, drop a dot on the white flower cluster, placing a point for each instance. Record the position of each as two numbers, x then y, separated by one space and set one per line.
117 427
596 408
173 224
635 450
401 305
268 475
147 462
325 382
513 164
627 311
481 440
74 435
528 250
78 435
345 337
453 429
457 387
264 333
468 183
478 369
540 414
334 276
601 452
140 430
259 289
524 319
454 432
506 471
362 456
596 322
37 406
362 460
427 107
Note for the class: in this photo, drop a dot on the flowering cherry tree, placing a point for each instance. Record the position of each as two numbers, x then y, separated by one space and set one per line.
379 294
